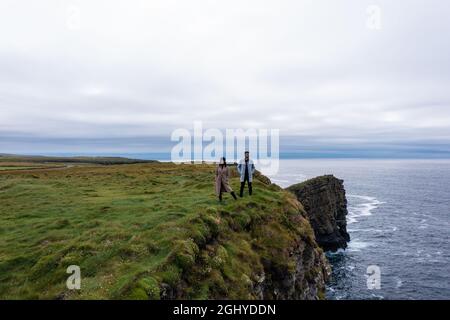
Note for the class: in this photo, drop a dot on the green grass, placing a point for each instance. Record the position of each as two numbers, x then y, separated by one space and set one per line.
15 168
132 228
23 165
69 160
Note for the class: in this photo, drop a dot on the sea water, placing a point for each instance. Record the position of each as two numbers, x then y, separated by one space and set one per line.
398 219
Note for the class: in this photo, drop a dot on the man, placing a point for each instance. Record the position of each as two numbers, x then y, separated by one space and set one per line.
246 169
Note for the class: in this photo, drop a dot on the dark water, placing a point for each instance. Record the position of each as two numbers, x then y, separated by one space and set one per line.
399 220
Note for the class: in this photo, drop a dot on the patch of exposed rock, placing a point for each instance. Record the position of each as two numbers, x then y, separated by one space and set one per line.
324 201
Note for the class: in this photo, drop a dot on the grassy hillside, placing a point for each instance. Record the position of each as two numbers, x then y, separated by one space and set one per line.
42 160
143 231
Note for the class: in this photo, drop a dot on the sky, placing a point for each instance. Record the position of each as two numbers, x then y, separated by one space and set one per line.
355 77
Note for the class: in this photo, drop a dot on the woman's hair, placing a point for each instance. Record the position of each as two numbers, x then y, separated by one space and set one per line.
223 161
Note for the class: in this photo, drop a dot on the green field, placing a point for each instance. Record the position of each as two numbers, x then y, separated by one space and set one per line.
45 160
137 227
23 165
15 168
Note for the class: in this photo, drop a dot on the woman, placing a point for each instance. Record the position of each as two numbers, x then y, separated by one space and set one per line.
222 175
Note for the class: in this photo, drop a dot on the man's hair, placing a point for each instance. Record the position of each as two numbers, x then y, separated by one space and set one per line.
247 152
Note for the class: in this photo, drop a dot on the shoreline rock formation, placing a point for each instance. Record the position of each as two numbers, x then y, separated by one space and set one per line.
324 201
279 260
287 247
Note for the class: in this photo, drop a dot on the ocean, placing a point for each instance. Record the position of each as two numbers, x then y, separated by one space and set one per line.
398 221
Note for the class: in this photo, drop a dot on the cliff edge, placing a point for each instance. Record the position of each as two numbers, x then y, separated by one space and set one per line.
260 247
324 201
154 231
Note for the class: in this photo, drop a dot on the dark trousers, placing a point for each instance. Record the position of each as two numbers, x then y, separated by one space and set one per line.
241 193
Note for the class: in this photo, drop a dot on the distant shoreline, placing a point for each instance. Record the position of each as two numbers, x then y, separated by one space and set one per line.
165 157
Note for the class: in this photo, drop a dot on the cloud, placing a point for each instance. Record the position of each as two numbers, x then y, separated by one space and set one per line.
113 69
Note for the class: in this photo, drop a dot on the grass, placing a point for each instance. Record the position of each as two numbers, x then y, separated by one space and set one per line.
13 165
15 168
4 158
137 229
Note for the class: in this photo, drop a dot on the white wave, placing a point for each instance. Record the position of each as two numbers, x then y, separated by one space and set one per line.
398 283
368 230
362 209
350 219
356 245
393 229
338 251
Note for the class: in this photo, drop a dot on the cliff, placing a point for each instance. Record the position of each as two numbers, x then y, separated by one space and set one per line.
153 231
260 247
326 206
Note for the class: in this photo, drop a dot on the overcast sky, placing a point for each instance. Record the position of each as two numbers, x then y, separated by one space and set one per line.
106 74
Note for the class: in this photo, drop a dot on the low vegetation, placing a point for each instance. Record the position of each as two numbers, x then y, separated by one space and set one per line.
140 231
43 160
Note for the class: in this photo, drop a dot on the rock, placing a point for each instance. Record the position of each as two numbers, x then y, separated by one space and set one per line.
305 282
324 201
274 255
259 176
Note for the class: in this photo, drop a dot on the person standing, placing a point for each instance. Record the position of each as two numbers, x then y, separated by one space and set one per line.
246 169
222 175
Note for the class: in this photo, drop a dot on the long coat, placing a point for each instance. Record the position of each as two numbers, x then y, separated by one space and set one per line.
222 175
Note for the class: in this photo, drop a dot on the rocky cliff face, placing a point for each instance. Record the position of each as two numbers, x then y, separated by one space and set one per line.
262 247
325 203
296 267
267 246
272 257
